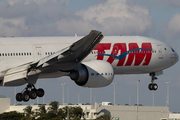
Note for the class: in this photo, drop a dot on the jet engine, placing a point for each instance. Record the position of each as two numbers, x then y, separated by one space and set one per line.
95 73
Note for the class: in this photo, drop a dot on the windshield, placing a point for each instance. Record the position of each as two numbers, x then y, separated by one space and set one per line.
173 50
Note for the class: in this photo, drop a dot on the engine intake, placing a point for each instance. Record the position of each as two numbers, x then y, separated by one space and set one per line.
80 76
94 73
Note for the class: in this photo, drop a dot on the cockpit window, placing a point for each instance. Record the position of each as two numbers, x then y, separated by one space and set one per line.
173 50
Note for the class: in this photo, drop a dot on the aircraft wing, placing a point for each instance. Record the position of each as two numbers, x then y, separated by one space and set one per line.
74 53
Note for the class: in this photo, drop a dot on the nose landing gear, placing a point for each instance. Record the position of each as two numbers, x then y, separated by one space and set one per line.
30 92
152 85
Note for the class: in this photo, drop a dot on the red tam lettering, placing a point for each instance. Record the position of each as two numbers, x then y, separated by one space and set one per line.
116 48
139 54
148 53
101 47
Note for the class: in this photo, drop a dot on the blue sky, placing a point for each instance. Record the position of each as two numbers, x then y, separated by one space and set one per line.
158 19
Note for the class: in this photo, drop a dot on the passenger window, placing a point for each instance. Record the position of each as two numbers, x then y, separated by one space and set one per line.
29 53
19 54
3 54
24 53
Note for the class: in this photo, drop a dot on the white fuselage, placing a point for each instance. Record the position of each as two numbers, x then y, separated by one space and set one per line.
18 51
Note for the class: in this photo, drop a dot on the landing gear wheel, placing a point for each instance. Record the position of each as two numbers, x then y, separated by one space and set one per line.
19 97
30 92
153 86
40 92
33 94
25 96
150 86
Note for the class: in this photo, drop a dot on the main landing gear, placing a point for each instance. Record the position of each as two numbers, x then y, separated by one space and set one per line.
152 85
30 92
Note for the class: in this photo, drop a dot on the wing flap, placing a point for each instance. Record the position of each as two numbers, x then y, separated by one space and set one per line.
16 76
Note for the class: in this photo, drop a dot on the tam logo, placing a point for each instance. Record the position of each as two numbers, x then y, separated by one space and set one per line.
140 55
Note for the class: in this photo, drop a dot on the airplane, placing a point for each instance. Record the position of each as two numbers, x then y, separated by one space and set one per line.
89 61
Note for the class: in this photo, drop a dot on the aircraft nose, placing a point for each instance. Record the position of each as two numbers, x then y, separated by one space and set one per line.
177 57
174 56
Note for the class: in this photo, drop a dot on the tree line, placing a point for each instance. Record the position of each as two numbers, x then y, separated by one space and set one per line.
53 112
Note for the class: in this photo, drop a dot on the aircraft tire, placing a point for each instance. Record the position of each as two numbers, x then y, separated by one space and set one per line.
155 86
40 92
25 96
19 97
150 86
33 94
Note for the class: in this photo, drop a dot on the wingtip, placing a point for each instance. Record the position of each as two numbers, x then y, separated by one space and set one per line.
95 31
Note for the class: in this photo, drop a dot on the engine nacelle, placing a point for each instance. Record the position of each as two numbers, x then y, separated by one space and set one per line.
94 73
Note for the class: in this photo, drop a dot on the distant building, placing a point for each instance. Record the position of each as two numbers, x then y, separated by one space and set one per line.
4 103
118 112
174 116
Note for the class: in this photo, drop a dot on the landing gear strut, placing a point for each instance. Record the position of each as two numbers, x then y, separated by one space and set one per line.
30 92
152 85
